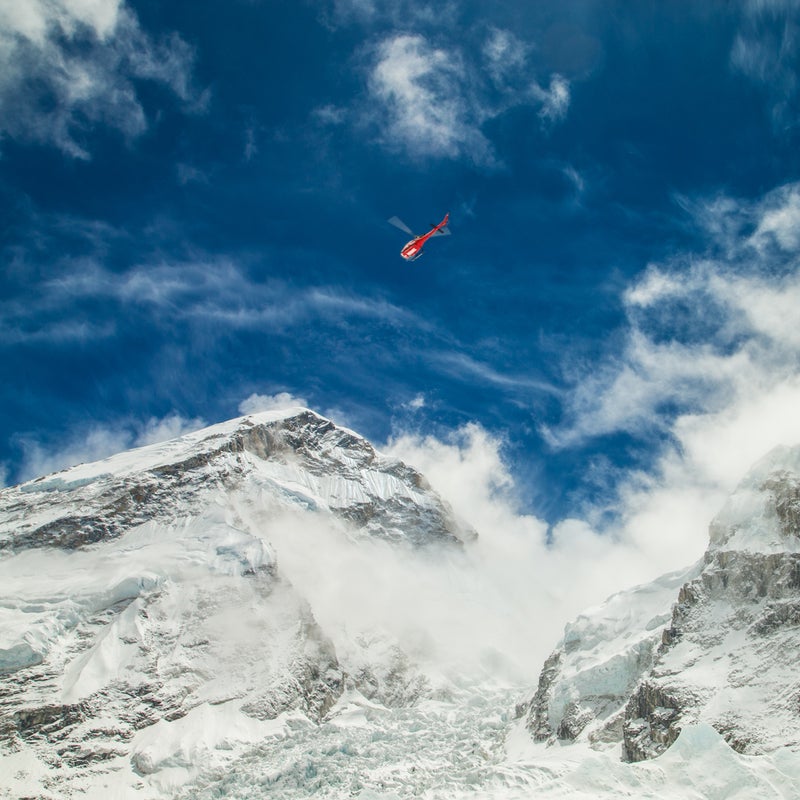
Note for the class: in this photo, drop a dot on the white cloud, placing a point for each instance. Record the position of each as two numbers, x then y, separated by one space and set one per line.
270 402
654 286
661 517
554 100
190 174
767 225
524 580
329 115
82 56
765 51
354 9
56 331
250 144
781 223
92 444
406 14
421 89
172 426
627 391
575 178
431 101
504 54
462 365
768 308
34 18
416 403
725 444
703 335
212 290
710 362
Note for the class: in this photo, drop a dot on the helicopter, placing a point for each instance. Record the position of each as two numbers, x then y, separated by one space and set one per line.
413 249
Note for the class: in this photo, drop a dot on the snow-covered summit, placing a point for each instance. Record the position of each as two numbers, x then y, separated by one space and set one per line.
763 514
294 458
161 605
238 612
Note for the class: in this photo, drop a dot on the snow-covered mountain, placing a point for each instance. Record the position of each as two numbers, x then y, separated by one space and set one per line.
265 608
146 619
290 459
717 644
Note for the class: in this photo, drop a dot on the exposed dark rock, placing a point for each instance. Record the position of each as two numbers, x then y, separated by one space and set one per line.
395 684
651 725
737 591
776 615
785 490
538 722
50 722
575 719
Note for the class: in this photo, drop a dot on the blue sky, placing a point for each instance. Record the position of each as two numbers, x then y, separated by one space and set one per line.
194 204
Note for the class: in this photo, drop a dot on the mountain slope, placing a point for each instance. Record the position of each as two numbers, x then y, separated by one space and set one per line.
143 597
270 607
716 645
297 459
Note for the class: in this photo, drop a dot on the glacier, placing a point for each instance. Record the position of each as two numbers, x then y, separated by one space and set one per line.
271 607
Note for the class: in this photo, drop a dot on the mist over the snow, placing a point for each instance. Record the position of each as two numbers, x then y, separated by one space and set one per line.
713 340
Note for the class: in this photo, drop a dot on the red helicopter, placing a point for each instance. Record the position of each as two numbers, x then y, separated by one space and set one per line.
413 250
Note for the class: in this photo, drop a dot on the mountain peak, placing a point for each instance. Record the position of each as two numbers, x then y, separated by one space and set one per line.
763 513
297 458
171 587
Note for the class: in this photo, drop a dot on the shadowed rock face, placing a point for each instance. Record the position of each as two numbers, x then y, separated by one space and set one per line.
588 680
650 720
725 653
739 622
538 722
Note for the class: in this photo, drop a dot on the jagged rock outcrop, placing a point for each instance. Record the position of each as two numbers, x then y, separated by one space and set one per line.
726 656
587 681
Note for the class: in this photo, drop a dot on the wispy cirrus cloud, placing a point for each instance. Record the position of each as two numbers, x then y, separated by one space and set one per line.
778 223
504 55
432 100
55 299
766 50
204 290
464 366
554 100
765 229
399 13
66 66
425 110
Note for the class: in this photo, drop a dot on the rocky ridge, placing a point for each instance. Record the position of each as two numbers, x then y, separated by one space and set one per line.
716 645
301 459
